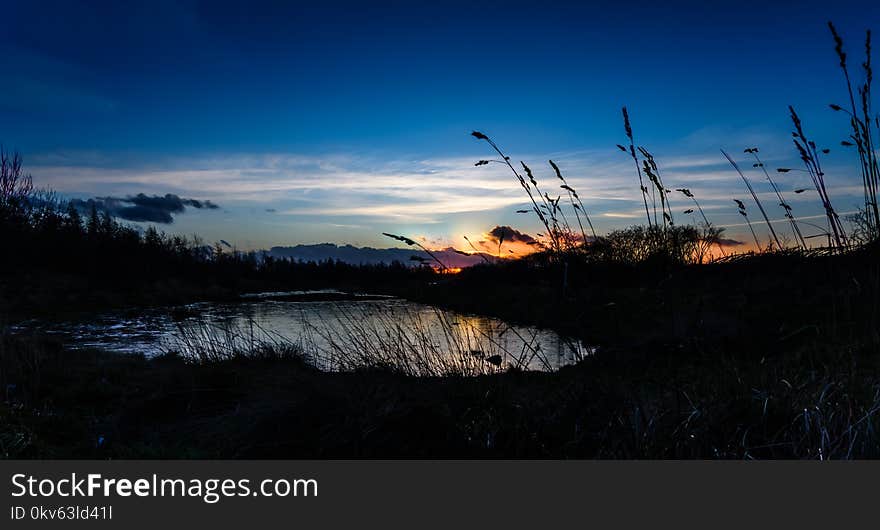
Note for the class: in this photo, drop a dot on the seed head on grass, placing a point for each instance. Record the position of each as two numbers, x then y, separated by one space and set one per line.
627 127
810 156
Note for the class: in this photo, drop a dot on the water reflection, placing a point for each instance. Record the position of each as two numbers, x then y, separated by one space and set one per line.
337 333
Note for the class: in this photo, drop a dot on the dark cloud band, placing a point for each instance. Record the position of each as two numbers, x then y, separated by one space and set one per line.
508 234
142 207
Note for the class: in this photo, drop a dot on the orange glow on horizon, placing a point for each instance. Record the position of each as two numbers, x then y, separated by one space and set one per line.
484 243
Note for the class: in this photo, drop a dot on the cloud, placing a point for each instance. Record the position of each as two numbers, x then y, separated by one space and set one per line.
504 241
142 207
511 235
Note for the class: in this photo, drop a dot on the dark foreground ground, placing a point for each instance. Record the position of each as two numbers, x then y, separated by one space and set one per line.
767 357
649 403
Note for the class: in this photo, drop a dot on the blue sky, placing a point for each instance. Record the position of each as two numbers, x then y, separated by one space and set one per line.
335 123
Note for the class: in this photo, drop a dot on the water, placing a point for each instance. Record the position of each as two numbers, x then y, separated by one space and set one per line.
326 324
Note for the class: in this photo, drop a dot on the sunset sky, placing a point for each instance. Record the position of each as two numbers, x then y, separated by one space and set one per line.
308 124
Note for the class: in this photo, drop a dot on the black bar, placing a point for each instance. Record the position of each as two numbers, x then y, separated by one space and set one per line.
475 494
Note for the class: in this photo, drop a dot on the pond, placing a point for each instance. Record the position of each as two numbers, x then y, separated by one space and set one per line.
334 330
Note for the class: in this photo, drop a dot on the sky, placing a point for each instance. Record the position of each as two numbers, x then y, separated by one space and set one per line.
335 122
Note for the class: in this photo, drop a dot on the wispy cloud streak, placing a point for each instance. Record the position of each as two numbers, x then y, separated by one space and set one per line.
366 191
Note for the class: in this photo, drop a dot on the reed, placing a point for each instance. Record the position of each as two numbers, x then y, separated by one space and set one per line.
631 149
411 342
653 172
202 341
742 211
563 240
414 343
707 225
542 211
796 232
755 197
809 154
476 250
577 207
864 128
413 242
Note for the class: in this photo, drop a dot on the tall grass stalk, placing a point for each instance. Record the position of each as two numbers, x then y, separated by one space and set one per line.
579 206
755 197
627 127
809 154
527 186
863 128
796 231
413 242
708 226
653 172
404 340
562 238
476 250
414 344
202 341
742 211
